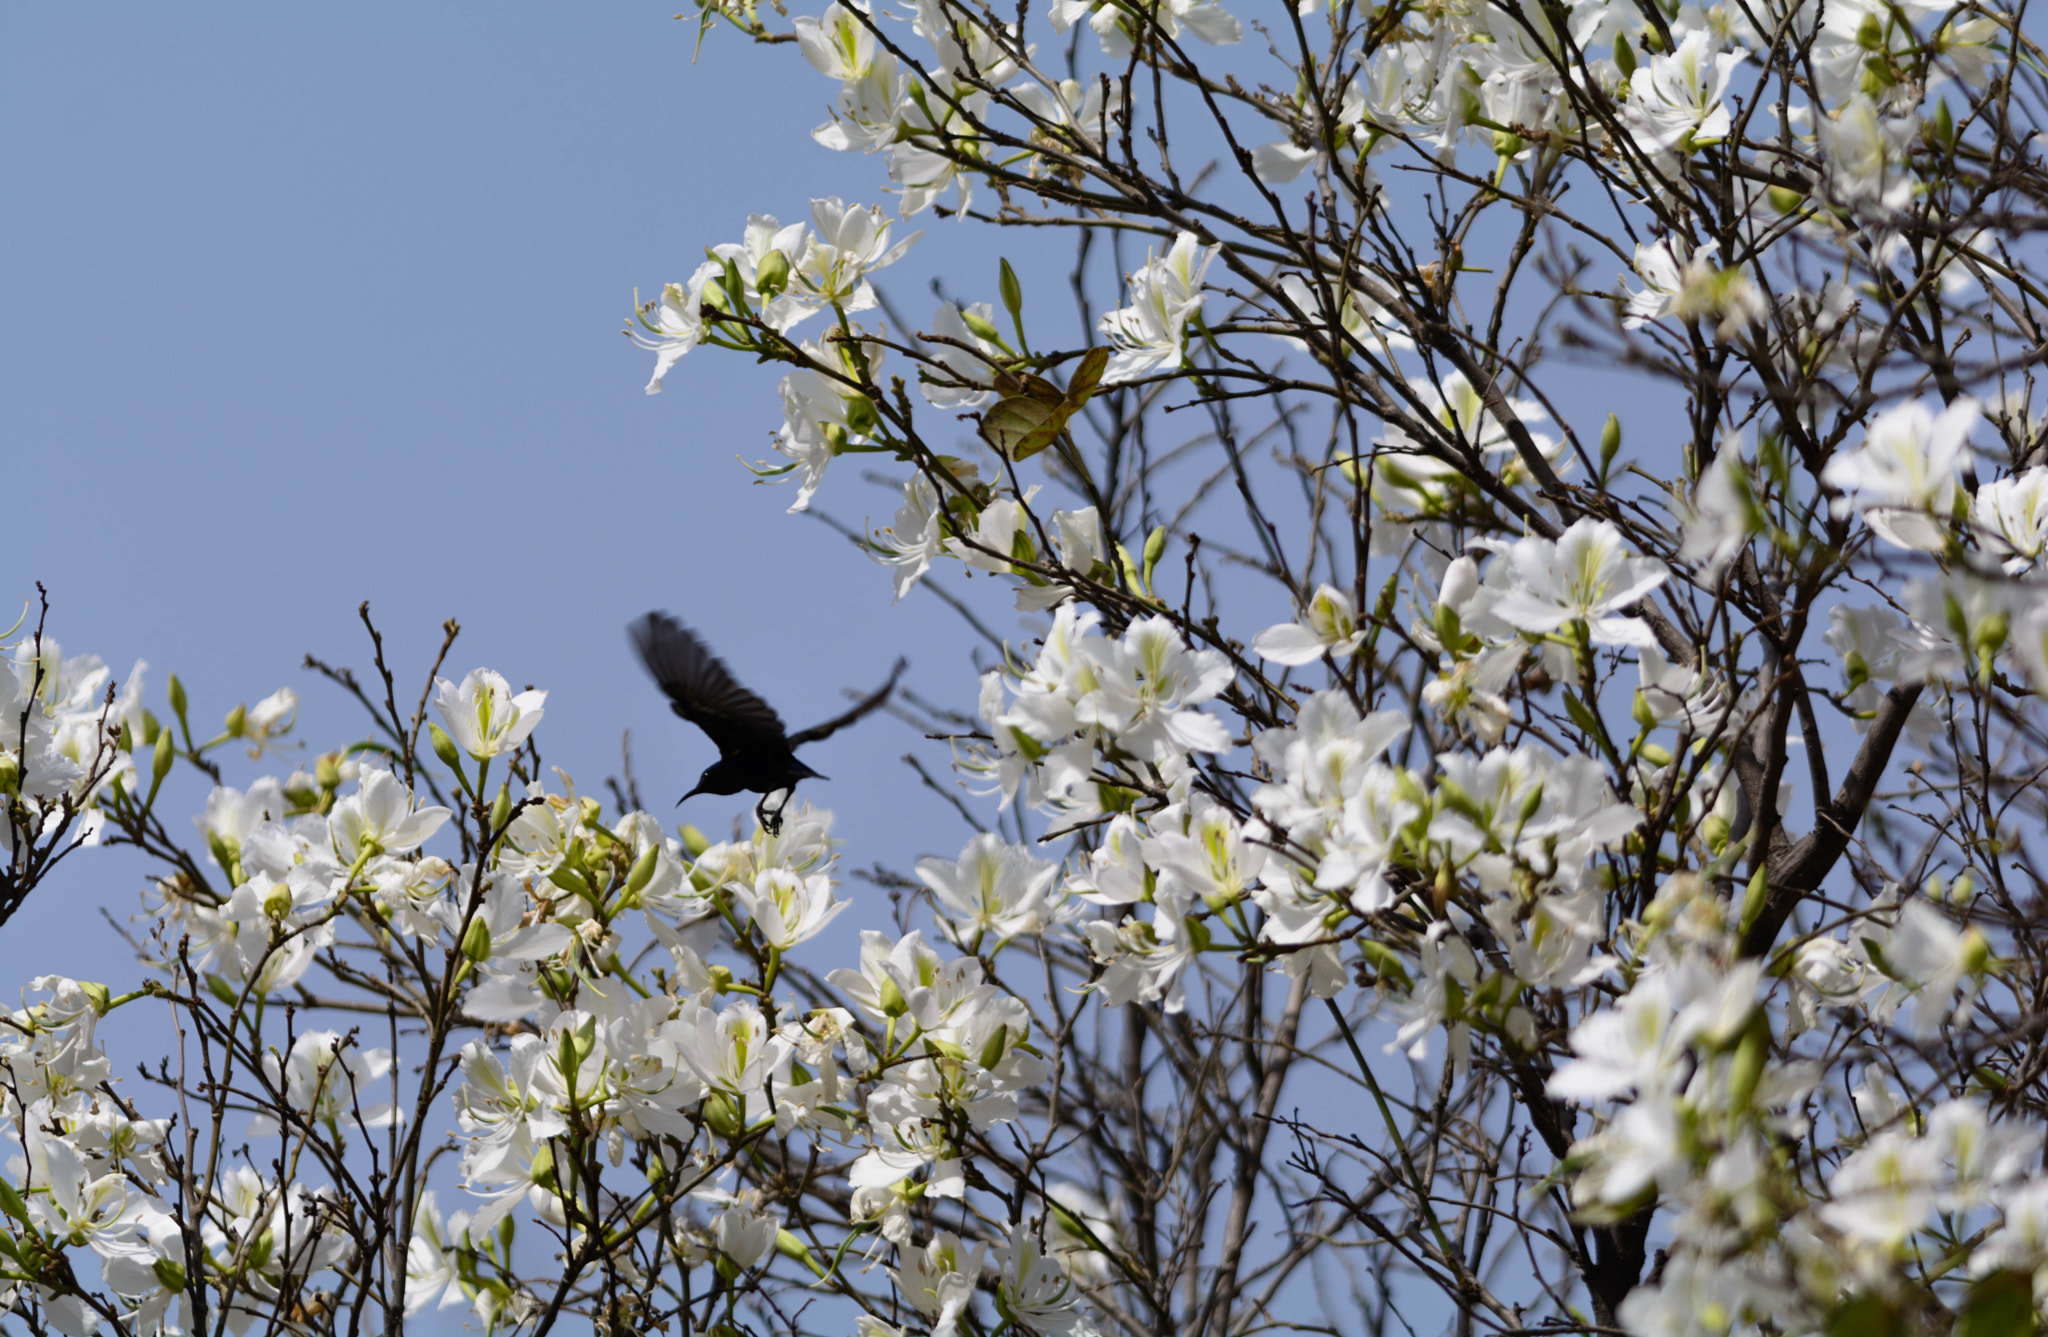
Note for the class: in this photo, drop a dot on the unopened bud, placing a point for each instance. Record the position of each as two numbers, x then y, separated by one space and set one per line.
177 691
794 1249
444 746
1748 1067
978 325
1754 898
1011 290
12 1204
861 418
160 764
1715 831
771 276
476 940
695 841
642 871
1976 953
1155 548
720 1116
1784 199
237 722
1610 442
501 808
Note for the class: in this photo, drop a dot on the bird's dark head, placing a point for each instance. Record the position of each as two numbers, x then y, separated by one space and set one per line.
718 778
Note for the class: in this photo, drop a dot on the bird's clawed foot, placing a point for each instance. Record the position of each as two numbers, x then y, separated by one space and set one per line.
771 818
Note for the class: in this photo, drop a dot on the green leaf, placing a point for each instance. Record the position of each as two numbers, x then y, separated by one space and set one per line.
1087 376
1022 425
2000 1305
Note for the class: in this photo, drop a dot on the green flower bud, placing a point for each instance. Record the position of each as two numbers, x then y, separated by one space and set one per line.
1012 291
1976 953
643 870
237 722
1610 442
979 325
1155 548
571 881
444 747
1715 831
11 1203
861 417
992 1053
476 940
1750 1052
771 276
160 763
1754 898
794 1249
720 1116
501 808
695 841
177 691
1624 57
1784 199
327 770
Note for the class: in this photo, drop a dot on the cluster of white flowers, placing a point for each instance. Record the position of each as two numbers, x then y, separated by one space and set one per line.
928 1050
1500 877
65 742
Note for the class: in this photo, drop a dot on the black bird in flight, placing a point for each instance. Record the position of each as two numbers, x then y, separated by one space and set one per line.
755 752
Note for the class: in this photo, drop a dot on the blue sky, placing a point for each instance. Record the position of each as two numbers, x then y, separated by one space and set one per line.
301 307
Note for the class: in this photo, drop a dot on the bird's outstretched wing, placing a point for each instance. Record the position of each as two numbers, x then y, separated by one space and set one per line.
868 703
701 688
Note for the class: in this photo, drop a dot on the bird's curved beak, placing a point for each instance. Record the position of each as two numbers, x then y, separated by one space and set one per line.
687 797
